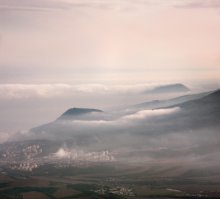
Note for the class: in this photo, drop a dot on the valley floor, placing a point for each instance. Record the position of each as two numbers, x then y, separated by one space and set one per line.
106 182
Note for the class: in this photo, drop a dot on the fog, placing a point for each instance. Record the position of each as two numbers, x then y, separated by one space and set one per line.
24 106
173 134
113 56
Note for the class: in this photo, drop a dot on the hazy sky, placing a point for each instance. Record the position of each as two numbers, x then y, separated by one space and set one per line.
50 49
90 41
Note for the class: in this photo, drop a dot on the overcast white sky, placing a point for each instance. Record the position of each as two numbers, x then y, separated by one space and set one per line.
102 44
90 41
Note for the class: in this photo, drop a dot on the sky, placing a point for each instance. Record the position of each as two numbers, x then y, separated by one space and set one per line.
51 48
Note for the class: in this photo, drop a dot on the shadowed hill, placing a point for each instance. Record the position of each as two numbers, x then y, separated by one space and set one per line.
170 88
210 101
75 112
199 113
169 102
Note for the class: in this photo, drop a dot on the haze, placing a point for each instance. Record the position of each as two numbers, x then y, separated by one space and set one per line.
109 99
60 54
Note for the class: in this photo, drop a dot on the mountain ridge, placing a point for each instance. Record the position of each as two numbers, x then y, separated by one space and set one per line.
169 102
74 112
169 88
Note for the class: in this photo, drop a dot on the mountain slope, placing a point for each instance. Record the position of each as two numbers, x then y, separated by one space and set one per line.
93 129
64 123
199 113
170 102
189 135
170 88
209 101
76 112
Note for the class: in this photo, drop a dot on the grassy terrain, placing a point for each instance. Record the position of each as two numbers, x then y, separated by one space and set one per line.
105 181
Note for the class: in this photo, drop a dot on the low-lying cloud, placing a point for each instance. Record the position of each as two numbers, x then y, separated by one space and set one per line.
144 114
80 155
18 91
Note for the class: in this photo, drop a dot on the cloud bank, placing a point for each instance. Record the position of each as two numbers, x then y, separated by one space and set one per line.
18 91
144 114
97 4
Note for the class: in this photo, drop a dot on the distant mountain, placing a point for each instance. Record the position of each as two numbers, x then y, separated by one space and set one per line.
209 101
170 88
65 122
199 113
208 106
190 133
196 111
76 112
169 102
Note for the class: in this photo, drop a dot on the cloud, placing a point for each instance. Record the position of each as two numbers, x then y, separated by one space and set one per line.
125 128
24 106
145 114
39 5
43 5
198 4
10 91
80 155
18 91
127 141
150 135
118 121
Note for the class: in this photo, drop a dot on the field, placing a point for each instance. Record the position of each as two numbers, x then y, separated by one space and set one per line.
108 181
